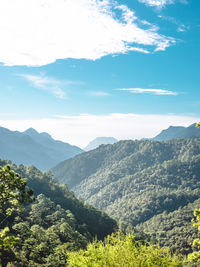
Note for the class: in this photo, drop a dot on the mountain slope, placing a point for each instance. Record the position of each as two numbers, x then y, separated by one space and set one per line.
174 132
100 141
174 229
33 148
135 180
56 222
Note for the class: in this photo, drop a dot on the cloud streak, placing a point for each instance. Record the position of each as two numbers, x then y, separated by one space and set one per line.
38 32
46 84
100 93
148 91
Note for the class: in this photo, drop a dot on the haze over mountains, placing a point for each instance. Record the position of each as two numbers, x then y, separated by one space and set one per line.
33 148
100 141
41 150
174 132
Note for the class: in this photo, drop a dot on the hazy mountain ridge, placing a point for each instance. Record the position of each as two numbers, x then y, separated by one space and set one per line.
33 148
100 141
174 132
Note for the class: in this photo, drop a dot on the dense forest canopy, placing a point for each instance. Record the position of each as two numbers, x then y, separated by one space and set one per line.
56 221
133 181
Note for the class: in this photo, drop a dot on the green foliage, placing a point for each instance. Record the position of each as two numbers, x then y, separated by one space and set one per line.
134 181
55 222
195 256
13 192
7 242
45 229
173 229
120 250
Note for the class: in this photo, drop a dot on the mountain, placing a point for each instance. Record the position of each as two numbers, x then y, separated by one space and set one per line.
100 141
174 132
33 148
56 222
134 181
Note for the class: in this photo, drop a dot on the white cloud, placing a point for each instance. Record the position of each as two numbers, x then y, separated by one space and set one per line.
80 130
38 32
148 91
47 84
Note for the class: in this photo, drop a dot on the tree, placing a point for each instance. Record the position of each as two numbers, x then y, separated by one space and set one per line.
122 250
13 193
195 256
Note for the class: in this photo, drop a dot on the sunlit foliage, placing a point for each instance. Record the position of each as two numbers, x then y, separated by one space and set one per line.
118 250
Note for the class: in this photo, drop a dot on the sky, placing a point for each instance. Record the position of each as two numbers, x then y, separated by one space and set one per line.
79 69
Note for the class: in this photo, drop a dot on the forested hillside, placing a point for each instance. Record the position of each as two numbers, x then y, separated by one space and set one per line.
133 181
33 148
54 223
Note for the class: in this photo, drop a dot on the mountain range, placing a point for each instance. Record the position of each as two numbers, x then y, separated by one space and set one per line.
33 148
41 150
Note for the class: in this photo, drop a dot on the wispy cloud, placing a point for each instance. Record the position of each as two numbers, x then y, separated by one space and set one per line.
38 32
180 26
81 129
157 3
148 91
47 84
162 3
99 93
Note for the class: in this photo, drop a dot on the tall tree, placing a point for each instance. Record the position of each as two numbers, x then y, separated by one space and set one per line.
13 193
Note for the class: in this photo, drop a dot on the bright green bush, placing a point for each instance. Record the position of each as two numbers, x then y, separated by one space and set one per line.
120 250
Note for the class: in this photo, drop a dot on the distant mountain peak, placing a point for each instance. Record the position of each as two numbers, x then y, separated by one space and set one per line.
31 131
100 141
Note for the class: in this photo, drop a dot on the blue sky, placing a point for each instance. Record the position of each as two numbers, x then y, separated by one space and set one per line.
82 69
